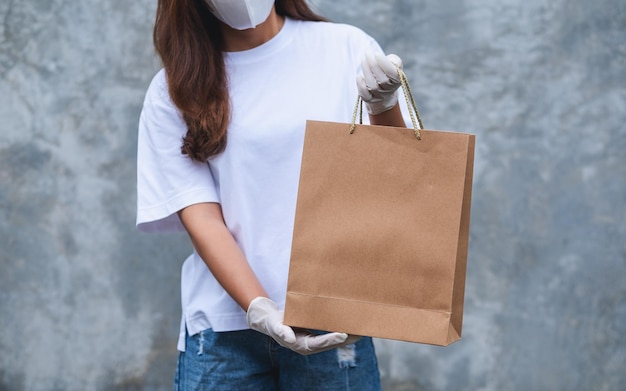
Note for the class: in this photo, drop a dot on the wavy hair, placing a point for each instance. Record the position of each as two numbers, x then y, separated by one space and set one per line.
188 39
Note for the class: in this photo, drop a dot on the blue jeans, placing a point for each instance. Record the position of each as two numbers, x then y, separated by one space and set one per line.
248 360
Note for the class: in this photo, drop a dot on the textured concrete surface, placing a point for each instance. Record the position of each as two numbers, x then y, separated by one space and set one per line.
86 303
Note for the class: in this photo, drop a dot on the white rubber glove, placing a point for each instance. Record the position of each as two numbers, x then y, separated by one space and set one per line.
265 317
379 81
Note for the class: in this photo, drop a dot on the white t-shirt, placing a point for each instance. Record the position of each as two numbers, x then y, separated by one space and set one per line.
307 71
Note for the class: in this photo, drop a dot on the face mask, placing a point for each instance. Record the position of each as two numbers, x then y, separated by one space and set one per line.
241 14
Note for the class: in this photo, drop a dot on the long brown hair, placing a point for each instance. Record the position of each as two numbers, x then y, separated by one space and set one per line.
188 39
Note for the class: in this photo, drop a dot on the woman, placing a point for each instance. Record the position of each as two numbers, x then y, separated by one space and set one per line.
220 142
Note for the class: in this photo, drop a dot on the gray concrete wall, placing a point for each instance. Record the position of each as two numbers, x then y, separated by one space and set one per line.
86 303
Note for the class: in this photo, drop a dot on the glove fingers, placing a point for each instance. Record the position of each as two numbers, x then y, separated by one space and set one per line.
368 73
351 339
325 341
279 331
375 77
282 333
384 71
395 60
379 81
363 90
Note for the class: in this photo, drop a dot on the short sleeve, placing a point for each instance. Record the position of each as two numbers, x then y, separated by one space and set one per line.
167 180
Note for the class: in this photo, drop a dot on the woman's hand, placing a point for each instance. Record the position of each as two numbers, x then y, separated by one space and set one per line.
265 317
379 81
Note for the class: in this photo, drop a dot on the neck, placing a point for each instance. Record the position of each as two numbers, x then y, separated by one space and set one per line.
239 40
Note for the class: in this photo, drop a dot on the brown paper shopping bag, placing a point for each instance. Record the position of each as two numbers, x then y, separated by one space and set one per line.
381 231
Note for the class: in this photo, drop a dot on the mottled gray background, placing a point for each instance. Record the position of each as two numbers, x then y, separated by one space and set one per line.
87 303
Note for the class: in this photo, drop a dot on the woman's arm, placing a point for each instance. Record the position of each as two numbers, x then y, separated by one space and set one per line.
391 117
217 247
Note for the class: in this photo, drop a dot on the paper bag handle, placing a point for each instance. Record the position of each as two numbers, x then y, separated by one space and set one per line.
410 102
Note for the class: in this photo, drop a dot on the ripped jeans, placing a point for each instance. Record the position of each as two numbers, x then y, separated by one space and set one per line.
250 361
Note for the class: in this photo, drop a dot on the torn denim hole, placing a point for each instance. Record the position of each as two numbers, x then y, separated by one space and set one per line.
201 344
346 356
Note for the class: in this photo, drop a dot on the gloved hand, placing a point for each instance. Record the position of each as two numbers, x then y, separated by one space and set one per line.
265 317
379 81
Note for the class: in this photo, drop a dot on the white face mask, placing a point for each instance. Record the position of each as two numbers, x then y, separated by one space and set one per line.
241 14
